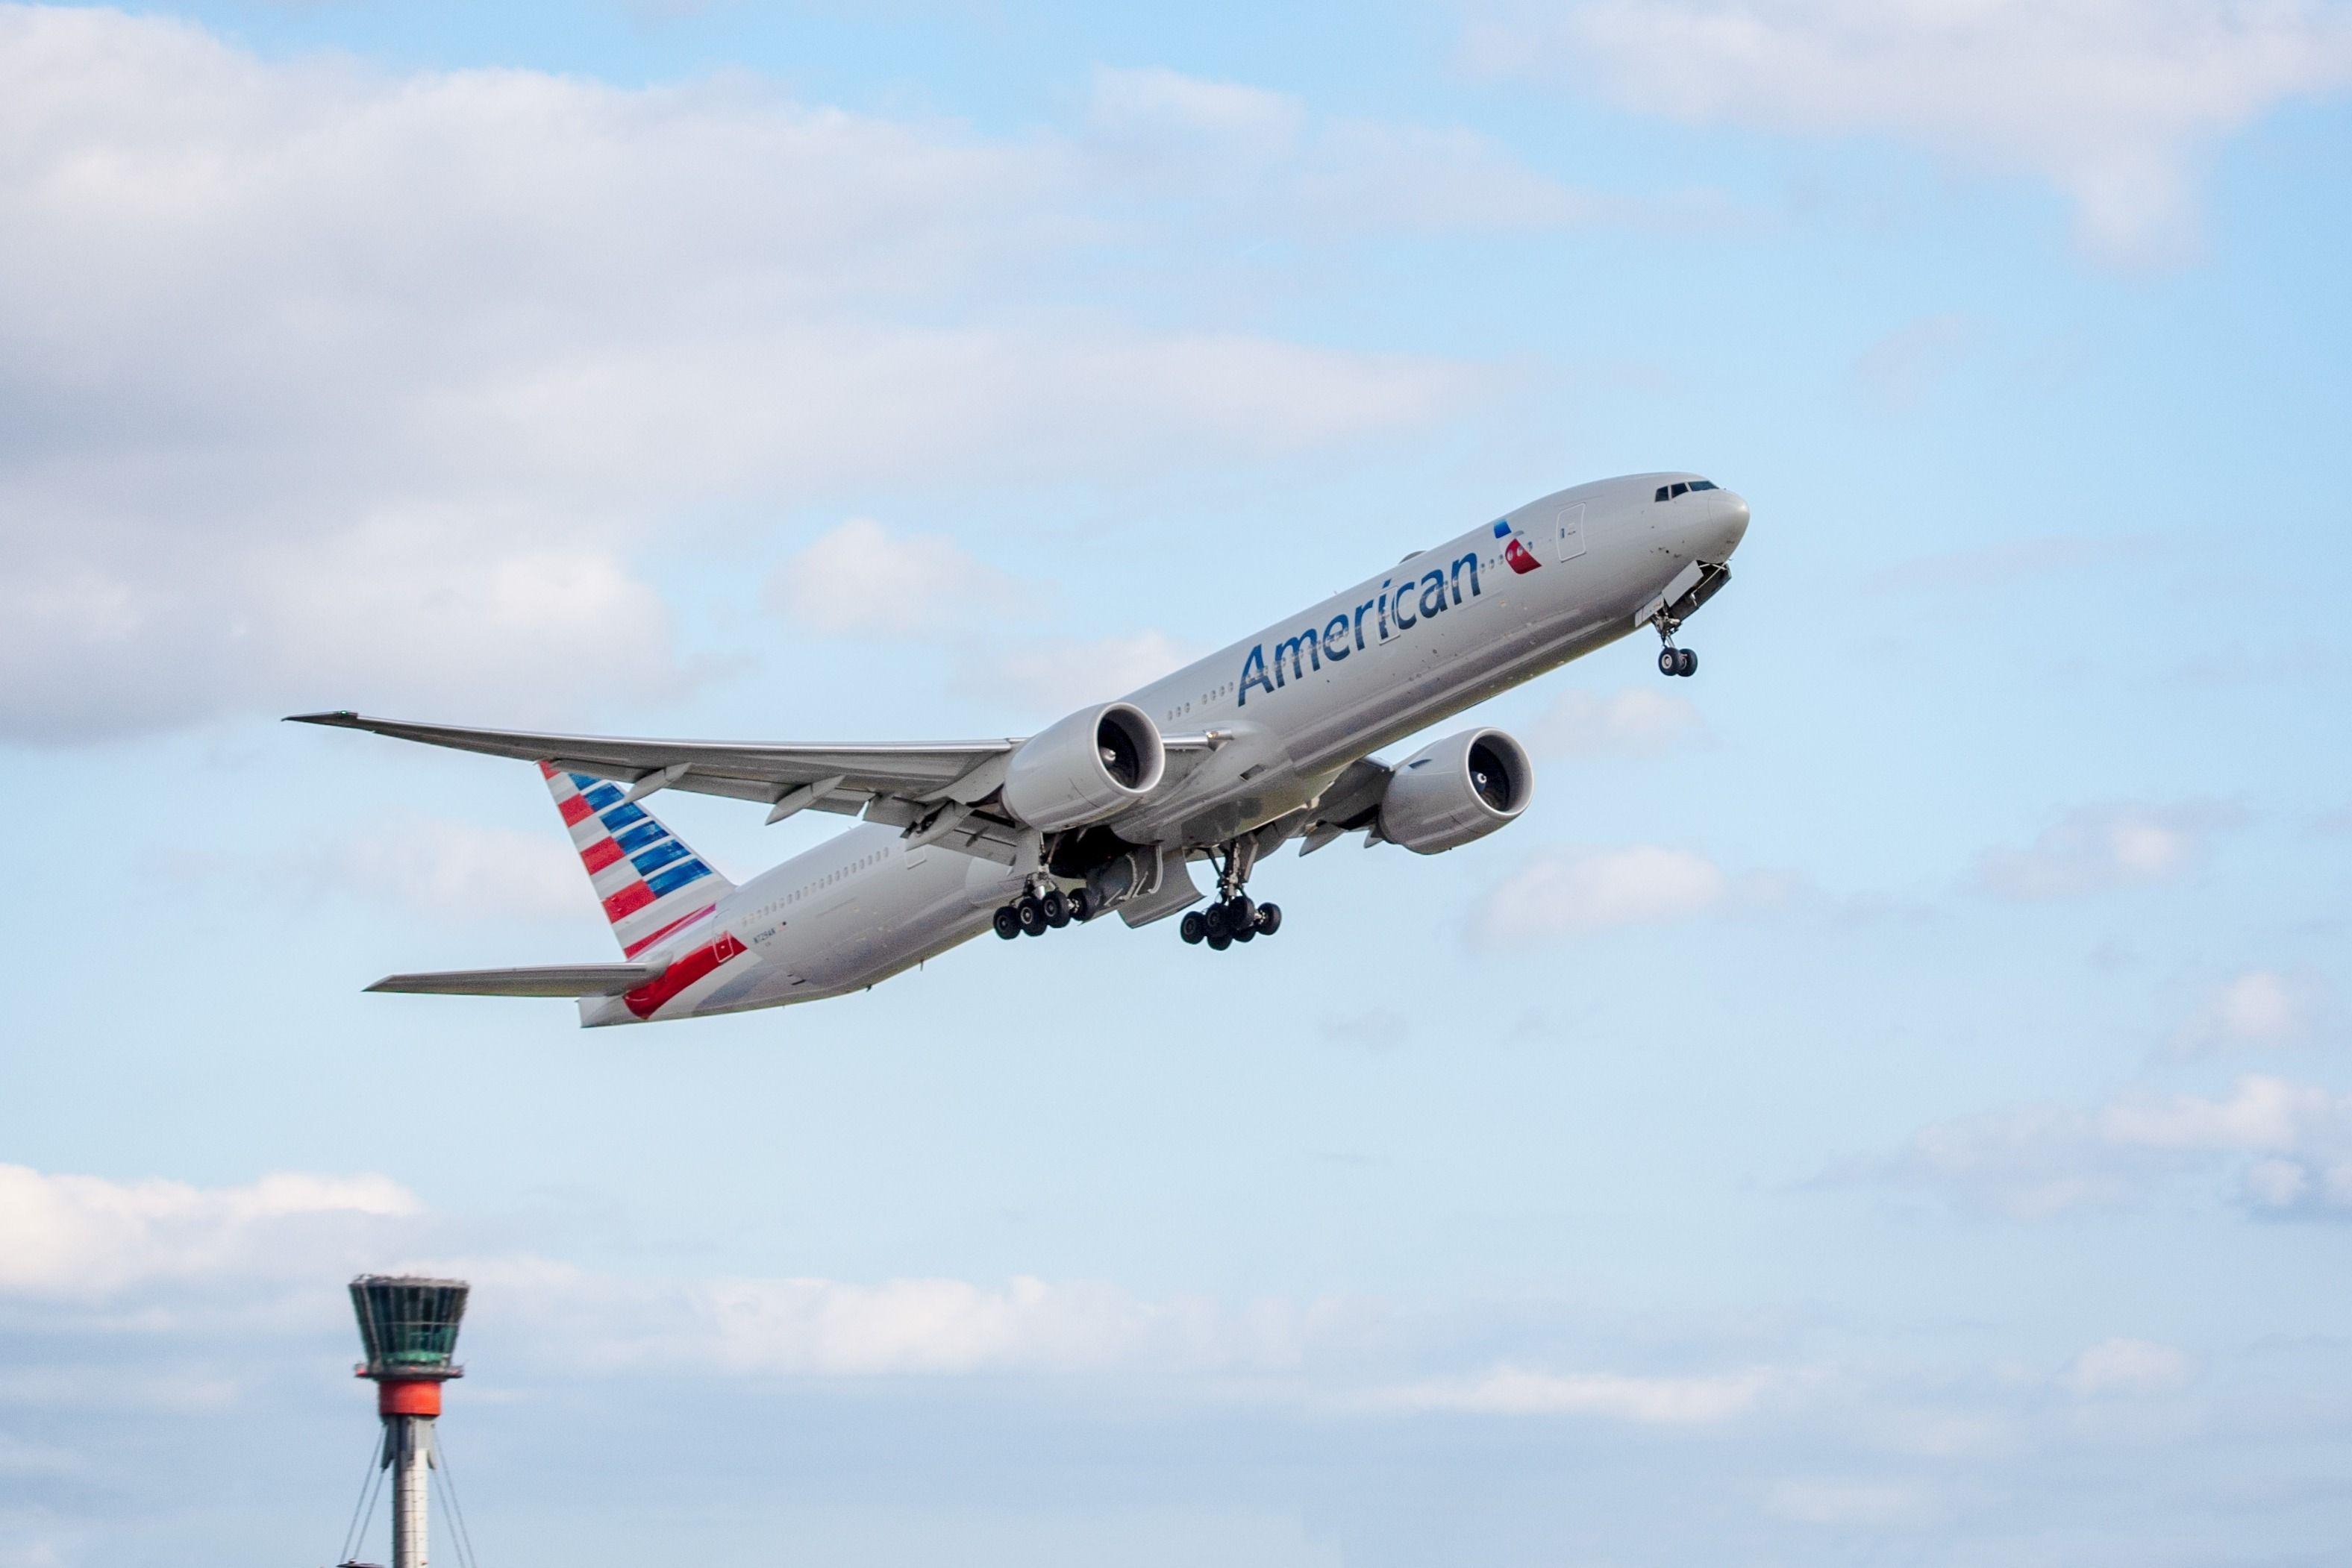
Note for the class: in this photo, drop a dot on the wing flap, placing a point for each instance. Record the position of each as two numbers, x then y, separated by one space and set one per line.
557 980
739 771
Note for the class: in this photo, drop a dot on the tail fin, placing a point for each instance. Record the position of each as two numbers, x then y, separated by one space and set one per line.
651 885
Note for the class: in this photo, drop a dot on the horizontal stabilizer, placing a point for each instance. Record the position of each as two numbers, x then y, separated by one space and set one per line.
559 980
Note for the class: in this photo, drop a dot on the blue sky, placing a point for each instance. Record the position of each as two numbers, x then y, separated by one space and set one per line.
1886 1103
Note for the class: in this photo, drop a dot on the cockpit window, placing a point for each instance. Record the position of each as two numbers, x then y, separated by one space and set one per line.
1667 491
1703 485
1681 490
1662 492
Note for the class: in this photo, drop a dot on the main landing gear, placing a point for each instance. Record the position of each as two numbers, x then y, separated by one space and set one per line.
1234 916
1040 910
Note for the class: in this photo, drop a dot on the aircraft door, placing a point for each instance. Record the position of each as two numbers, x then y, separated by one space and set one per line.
1570 541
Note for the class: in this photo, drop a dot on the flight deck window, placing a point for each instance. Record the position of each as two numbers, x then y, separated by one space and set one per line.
1662 492
1682 489
1703 485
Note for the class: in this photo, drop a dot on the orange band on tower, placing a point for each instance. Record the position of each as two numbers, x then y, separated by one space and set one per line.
408 1396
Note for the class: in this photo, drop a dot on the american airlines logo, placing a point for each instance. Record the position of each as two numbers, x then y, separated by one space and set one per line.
1398 609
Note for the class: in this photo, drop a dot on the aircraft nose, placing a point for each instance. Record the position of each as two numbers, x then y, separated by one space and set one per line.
1730 521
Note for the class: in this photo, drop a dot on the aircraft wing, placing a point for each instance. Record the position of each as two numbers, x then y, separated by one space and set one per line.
832 777
565 980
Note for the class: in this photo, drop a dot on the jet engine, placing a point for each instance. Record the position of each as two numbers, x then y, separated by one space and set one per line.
1457 789
1088 767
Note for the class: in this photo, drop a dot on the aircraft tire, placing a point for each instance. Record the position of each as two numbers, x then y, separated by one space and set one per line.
1687 663
1669 661
1219 940
1032 915
1192 927
1082 906
1216 924
1269 919
1058 908
1241 914
1007 923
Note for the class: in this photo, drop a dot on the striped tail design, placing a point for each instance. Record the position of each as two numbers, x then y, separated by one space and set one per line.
652 886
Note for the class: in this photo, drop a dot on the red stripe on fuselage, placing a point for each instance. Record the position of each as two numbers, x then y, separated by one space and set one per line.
647 1000
632 949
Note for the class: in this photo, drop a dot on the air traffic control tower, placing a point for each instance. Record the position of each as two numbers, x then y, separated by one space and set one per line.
409 1326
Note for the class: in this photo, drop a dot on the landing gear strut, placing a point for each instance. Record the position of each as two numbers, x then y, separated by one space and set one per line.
1234 916
1673 661
1043 908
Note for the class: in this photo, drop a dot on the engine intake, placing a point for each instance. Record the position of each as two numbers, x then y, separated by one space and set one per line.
1457 789
1088 767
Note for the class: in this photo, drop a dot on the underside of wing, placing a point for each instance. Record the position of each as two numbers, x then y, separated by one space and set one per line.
831 777
1351 801
560 980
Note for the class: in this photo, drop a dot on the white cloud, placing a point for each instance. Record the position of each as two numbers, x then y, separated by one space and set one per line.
326 387
1650 1401
2116 102
1572 892
81 1237
1155 100
1847 1504
1053 675
2262 1009
2104 848
2288 1146
2128 1366
862 578
1259 158
449 870
1639 721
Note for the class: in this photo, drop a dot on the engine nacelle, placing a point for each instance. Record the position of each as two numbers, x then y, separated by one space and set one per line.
1457 789
1088 767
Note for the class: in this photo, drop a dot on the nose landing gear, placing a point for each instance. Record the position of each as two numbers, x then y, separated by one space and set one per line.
1673 661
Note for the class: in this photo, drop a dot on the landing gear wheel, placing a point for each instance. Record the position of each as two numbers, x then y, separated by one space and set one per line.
1217 925
1219 940
1192 927
1670 661
1082 906
1245 932
1269 919
1687 663
1241 913
1032 915
1007 923
1057 907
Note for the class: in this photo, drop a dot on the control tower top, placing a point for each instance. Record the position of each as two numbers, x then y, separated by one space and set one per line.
408 1325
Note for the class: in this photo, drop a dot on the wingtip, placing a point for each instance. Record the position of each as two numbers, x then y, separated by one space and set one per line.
342 717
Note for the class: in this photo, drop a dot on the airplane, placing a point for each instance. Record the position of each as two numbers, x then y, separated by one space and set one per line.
1267 741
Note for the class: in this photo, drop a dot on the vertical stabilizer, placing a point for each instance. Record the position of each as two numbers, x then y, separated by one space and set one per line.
651 885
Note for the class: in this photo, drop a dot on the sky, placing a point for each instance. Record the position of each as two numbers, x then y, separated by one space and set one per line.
1887 1102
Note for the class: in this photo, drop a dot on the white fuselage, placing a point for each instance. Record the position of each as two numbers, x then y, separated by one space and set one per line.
1444 629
